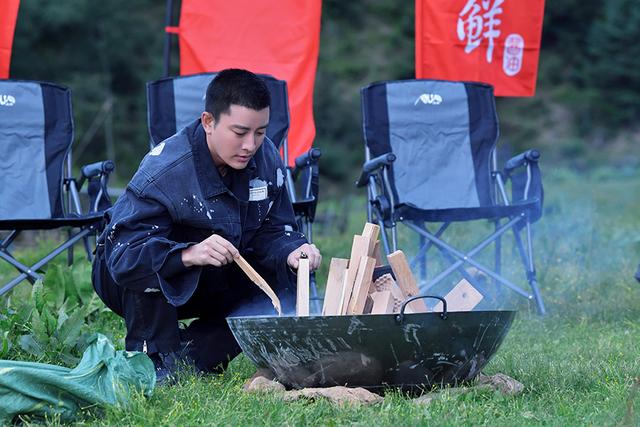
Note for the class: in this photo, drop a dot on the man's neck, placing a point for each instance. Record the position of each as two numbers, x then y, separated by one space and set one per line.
220 164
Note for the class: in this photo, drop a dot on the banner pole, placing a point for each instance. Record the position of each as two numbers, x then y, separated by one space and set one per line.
168 20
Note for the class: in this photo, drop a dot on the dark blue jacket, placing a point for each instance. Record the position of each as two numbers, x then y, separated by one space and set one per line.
177 198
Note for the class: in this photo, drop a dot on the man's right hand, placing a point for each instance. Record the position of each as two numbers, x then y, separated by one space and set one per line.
215 251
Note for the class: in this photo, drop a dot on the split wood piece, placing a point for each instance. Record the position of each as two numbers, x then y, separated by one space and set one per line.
386 283
383 283
405 279
383 302
371 232
377 253
359 249
397 305
463 297
335 283
302 302
259 281
368 305
361 285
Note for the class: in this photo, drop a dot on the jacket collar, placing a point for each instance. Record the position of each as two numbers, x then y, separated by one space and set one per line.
208 176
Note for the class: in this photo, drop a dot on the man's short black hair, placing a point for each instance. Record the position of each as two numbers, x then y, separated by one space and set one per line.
238 87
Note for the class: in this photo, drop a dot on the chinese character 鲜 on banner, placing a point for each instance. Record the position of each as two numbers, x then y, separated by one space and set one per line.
490 41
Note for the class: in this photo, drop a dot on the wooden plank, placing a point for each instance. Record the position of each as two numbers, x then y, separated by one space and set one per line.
371 232
386 283
405 279
259 281
361 285
358 250
333 290
377 253
382 302
463 297
302 301
368 305
383 283
397 293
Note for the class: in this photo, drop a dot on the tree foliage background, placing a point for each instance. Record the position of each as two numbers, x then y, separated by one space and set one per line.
585 111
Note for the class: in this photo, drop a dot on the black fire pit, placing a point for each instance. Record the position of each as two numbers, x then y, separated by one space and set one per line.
406 351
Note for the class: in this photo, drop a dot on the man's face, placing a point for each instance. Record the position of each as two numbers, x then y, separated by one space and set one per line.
236 137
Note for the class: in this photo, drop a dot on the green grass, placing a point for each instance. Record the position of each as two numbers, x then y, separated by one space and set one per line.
580 364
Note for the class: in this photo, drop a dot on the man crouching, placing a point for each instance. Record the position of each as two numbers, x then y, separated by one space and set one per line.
211 191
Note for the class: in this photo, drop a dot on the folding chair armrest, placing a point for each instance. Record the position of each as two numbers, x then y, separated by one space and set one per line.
93 170
529 156
372 166
310 158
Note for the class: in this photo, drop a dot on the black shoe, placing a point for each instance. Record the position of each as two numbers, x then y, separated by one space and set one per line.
638 273
169 366
166 367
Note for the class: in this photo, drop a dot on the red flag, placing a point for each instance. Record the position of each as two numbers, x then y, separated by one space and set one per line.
280 38
490 41
8 15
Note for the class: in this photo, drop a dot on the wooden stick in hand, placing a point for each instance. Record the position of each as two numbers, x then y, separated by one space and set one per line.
259 281
302 301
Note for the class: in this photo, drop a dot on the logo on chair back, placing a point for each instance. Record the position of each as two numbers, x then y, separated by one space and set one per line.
429 98
7 100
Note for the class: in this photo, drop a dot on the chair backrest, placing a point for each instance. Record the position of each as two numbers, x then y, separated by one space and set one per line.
36 132
174 102
442 133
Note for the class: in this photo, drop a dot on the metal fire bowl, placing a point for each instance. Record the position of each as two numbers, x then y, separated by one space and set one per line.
406 351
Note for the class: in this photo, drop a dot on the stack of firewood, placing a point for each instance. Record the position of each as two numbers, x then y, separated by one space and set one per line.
351 288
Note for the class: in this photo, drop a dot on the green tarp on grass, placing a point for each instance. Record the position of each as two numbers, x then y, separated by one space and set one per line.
103 377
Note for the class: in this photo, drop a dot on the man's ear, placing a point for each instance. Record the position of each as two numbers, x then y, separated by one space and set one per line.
208 122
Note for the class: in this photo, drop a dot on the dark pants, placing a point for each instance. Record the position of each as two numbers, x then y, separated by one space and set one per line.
151 320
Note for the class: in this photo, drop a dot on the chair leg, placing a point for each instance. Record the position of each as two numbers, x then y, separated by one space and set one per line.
87 248
527 261
4 247
57 251
310 230
498 251
31 275
532 268
462 257
465 274
315 298
423 259
394 237
70 251
6 242
384 237
425 245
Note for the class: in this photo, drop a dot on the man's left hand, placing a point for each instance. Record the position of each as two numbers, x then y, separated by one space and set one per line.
312 253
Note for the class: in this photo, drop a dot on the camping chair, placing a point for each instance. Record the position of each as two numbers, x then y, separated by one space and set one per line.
37 191
174 102
431 158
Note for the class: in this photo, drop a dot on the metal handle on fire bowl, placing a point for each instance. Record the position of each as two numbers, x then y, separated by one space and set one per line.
443 315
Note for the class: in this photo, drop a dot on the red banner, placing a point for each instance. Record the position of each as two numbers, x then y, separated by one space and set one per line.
280 38
490 41
8 15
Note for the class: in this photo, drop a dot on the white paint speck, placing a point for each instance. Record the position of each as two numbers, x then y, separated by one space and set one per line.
279 177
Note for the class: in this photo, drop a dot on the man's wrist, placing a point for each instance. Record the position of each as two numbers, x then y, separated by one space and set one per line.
185 257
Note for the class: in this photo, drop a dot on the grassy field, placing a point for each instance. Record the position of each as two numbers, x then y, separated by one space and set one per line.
580 364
